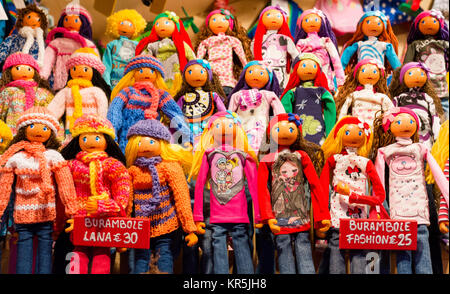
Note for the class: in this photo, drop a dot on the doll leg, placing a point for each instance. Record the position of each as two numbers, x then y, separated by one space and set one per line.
422 256
286 261
337 259
265 249
44 252
303 253
205 240
165 246
404 258
101 260
24 248
358 262
142 260
219 245
242 254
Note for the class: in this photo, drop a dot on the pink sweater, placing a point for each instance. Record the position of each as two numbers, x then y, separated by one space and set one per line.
225 167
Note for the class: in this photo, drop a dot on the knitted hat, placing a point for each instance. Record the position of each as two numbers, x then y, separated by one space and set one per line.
76 9
89 123
145 60
290 117
21 58
86 56
41 115
150 128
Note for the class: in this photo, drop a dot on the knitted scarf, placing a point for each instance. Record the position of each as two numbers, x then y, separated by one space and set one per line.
150 163
28 87
152 111
30 35
94 160
75 85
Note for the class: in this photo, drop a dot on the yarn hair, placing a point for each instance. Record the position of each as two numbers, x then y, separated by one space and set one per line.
52 142
440 151
41 83
21 13
130 15
128 81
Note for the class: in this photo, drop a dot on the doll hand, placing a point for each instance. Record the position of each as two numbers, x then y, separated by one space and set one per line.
15 236
121 249
326 224
259 226
273 227
200 227
443 227
70 228
91 206
191 239
342 188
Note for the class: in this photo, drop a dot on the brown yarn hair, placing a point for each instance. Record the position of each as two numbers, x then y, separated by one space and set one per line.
350 85
41 83
238 32
21 13
52 143
382 138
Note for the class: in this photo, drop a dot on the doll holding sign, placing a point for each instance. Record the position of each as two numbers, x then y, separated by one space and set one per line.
307 95
161 192
396 143
102 183
284 203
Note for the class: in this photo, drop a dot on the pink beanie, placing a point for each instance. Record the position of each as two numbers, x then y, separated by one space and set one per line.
86 56
76 9
21 58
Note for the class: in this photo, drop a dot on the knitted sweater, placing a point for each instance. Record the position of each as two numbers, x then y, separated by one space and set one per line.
253 107
175 208
443 205
356 171
315 105
228 203
408 198
32 205
18 43
282 194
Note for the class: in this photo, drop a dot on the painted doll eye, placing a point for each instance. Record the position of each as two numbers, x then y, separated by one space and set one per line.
141 70
261 73
32 126
97 139
304 65
374 71
202 71
363 70
130 24
360 133
166 22
422 74
74 68
152 71
190 71
1 140
250 71
399 122
291 130
152 142
306 20
411 121
277 129
410 73
368 22
230 125
315 66
268 14
121 22
217 125
279 15
316 19
379 23
434 21
85 69
423 21
347 133
84 139
29 69
44 129
76 20
214 20
139 144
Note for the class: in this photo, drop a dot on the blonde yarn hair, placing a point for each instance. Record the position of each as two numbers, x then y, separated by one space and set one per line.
440 151
130 15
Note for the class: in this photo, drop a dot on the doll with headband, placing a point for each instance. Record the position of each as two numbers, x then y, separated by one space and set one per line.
307 95
374 39
428 42
254 97
74 31
411 87
34 168
161 193
347 172
396 143
86 91
21 87
364 92
31 25
170 44
142 94
283 172
201 96
224 43
123 26
225 139
274 43
102 182
315 35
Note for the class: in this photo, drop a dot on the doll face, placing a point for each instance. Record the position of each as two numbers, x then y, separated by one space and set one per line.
256 76
196 75
311 23
81 72
369 74
72 23
92 142
372 26
353 136
22 72
429 26
403 126
284 133
145 74
32 20
149 147
288 171
223 130
272 19
164 27
307 70
415 77
37 133
126 28
218 23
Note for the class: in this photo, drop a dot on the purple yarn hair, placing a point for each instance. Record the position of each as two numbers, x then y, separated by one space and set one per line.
325 31
85 30
273 86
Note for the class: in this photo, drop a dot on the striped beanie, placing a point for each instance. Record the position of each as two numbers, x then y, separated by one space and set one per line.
21 58
41 115
149 128
76 9
89 123
86 56
144 60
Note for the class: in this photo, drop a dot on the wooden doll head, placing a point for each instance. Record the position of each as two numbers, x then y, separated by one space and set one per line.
429 25
37 132
81 72
353 136
72 23
32 19
272 19
223 131
256 76
369 74
404 125
126 28
22 72
218 24
164 27
196 75
311 23
372 26
415 77
92 142
149 147
284 133
145 74
307 70
31 16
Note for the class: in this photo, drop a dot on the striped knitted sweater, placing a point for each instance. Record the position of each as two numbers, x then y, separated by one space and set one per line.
175 208
443 205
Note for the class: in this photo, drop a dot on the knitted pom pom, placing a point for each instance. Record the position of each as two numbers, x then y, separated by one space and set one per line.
89 123
150 128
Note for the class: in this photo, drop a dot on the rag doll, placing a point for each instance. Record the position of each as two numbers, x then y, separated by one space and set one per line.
161 193
123 26
347 173
314 35
254 98
224 43
307 95
102 183
74 31
142 94
285 205
274 43
21 87
364 92
41 178
396 143
224 160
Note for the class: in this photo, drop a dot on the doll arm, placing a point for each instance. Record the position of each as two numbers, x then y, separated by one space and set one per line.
325 177
58 105
233 102
190 54
250 170
219 102
264 198
379 166
49 61
392 56
348 53
345 107
435 119
102 102
443 210
329 112
336 61
275 103
66 187
237 47
438 174
202 48
378 191
114 114
287 100
6 182
44 97
107 61
291 49
410 54
199 185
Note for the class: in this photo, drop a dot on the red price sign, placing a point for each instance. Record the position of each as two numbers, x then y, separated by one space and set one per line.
112 232
378 234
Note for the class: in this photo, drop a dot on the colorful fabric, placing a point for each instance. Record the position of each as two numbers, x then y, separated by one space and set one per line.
89 123
76 9
117 55
86 56
143 61
443 205
27 41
